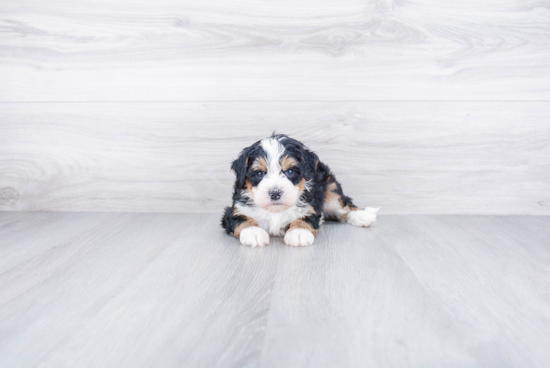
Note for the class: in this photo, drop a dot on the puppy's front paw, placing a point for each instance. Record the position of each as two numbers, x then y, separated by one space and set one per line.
362 218
299 237
254 236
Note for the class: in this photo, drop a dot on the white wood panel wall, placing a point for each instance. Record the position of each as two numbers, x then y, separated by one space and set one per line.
173 50
429 157
419 106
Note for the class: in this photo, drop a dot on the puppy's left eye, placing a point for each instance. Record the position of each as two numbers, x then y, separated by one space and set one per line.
289 172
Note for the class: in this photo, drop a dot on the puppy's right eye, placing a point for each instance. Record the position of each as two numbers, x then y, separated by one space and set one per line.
260 174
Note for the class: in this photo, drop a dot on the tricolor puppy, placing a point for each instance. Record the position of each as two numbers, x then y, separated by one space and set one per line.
283 189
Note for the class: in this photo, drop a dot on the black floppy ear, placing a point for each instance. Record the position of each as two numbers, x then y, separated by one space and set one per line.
240 165
310 163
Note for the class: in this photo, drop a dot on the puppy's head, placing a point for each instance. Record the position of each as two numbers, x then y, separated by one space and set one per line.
273 172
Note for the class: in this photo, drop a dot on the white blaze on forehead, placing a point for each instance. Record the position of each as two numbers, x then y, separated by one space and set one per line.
274 150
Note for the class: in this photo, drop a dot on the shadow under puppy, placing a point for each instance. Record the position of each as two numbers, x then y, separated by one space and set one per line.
283 189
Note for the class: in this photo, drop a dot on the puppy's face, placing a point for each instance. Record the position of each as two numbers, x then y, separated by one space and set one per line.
273 172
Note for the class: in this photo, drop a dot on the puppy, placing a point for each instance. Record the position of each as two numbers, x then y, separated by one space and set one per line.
283 189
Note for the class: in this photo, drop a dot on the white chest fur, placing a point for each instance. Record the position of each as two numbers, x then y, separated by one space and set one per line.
273 223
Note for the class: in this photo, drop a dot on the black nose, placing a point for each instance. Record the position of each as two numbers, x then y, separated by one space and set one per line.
275 194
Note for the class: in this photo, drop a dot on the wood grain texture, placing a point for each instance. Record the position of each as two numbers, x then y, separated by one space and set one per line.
172 290
169 50
407 157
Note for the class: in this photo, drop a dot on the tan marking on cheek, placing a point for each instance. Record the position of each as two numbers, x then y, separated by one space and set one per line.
287 162
301 224
248 185
302 184
260 164
243 225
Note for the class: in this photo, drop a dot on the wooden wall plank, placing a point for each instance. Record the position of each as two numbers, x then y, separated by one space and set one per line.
170 50
407 157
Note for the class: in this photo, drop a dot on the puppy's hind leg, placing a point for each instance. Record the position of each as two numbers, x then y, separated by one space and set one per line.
362 218
339 206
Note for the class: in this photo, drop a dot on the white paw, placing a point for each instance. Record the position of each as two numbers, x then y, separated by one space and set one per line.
254 236
363 218
299 237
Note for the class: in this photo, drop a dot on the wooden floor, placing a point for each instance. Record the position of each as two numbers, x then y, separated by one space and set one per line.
164 290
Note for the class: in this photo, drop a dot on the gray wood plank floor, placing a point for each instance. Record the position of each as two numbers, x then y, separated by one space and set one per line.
163 290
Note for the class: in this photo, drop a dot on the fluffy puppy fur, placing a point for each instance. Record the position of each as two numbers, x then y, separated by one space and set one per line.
282 188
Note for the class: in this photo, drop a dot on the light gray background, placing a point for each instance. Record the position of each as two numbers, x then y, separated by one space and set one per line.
420 107
417 106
